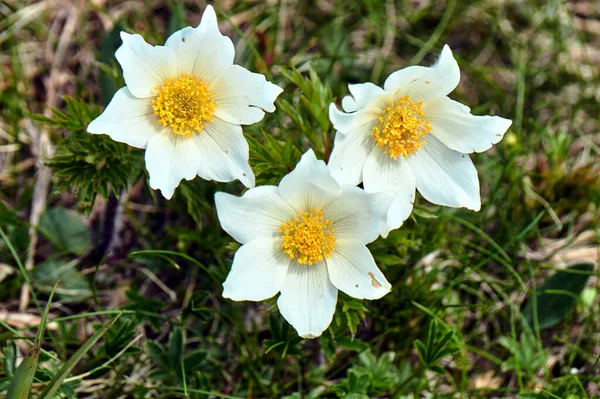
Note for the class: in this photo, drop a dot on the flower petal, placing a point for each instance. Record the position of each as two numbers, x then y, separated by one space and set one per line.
352 270
258 213
308 299
258 272
421 83
452 123
203 50
444 176
356 214
361 94
127 119
145 67
348 124
382 173
309 185
349 154
242 96
169 158
223 153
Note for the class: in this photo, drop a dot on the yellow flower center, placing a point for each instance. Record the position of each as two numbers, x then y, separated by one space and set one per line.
308 238
401 128
185 104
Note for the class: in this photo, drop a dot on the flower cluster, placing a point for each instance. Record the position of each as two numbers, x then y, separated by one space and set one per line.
185 102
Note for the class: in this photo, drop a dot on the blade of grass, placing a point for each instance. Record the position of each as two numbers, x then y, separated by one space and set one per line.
56 382
436 35
20 386
184 256
105 364
21 268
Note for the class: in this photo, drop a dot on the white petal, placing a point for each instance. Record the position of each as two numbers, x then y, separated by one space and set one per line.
258 272
358 215
353 143
242 95
421 83
453 124
127 119
349 154
348 124
145 67
444 176
308 299
224 153
202 51
382 173
309 185
169 158
258 213
353 271
361 95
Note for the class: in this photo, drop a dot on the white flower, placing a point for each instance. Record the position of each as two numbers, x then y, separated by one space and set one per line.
184 103
305 239
410 134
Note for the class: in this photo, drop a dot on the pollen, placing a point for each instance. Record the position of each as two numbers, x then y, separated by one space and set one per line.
185 104
308 237
401 128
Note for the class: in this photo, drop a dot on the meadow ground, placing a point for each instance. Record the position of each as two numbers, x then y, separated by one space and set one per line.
500 303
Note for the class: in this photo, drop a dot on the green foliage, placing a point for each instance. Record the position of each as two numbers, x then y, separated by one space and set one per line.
90 164
440 343
146 308
272 159
20 386
354 312
56 383
285 341
74 287
373 376
65 229
172 361
525 354
119 337
557 297
309 112
74 119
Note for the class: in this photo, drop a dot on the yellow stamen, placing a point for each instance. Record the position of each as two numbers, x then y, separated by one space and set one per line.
401 128
185 104
308 237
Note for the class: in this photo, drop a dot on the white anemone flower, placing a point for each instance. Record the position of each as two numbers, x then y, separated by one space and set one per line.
184 103
306 239
409 135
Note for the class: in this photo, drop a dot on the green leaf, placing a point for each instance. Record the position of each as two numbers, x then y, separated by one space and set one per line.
194 360
89 164
10 358
157 353
421 351
65 229
558 295
20 385
352 344
176 348
73 285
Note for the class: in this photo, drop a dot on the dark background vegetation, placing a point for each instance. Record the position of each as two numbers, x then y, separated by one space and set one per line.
499 303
